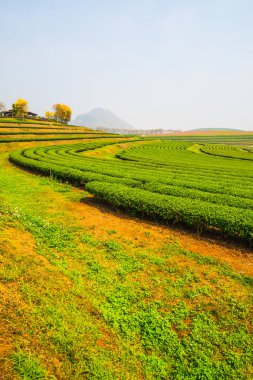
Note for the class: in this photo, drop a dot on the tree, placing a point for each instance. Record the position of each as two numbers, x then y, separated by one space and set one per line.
20 108
49 115
62 113
2 106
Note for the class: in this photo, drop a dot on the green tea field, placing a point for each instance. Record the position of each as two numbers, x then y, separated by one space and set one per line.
175 182
124 257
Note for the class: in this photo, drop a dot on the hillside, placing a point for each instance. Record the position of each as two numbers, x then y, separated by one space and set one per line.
92 288
12 130
100 117
214 130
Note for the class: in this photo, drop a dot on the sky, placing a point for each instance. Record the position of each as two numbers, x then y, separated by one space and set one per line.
171 64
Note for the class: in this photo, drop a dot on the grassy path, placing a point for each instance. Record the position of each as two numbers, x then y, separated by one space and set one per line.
88 294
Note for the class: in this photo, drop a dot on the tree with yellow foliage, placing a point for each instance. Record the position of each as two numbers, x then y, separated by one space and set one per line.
20 108
62 113
49 115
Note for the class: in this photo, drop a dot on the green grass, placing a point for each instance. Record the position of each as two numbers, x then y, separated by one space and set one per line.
13 120
27 366
81 302
235 139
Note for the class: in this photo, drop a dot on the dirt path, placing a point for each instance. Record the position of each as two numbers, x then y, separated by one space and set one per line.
102 219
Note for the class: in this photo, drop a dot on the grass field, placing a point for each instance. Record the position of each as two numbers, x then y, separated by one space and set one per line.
93 293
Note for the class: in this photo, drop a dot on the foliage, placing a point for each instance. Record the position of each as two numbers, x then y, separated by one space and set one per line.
49 115
62 112
192 213
20 108
242 153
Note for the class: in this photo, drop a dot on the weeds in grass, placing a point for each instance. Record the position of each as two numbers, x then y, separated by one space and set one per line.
27 366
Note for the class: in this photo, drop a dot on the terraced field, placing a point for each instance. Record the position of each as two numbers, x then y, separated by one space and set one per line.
11 131
90 293
174 182
229 151
225 138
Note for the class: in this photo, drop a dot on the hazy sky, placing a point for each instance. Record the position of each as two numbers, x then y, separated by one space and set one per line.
155 63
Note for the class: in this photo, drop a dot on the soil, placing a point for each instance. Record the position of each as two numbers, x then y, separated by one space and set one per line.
102 219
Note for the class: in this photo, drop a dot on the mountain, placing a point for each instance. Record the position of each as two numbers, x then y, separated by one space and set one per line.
100 117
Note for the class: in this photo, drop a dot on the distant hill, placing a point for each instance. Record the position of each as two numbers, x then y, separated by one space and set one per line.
215 129
101 118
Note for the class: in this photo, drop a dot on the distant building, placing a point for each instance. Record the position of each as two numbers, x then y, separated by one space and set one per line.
9 113
6 113
31 114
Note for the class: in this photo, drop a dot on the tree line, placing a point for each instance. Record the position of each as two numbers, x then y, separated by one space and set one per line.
61 112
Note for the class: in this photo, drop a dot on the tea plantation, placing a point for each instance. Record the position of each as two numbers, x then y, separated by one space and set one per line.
90 292
204 187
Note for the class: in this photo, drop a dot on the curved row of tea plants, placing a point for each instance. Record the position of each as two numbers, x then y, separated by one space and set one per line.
228 151
49 132
32 130
167 181
12 120
169 209
60 138
245 138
